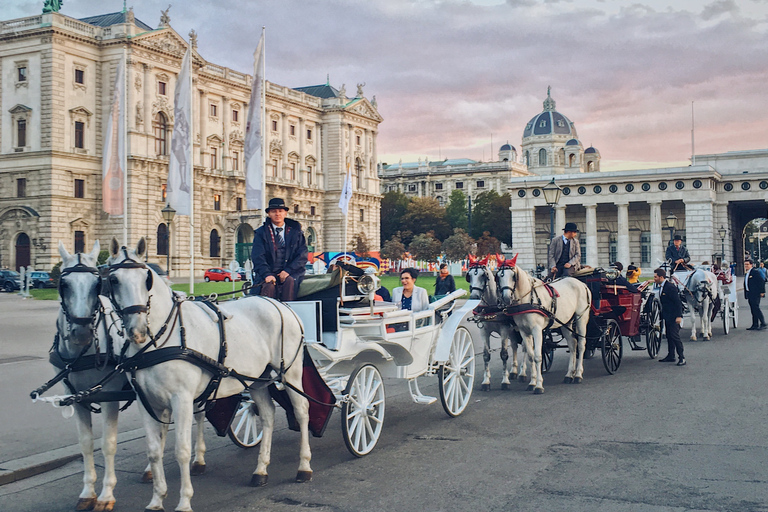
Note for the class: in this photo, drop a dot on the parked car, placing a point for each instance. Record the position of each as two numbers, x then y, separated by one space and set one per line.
10 280
159 271
219 274
41 280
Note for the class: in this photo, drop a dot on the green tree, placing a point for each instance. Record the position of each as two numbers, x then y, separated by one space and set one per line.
103 256
425 247
458 245
425 214
487 244
456 211
393 206
359 245
393 249
490 212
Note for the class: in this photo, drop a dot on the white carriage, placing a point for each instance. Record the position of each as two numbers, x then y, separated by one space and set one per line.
729 307
356 343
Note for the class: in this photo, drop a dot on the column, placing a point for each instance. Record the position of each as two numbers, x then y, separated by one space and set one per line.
657 244
302 174
622 241
523 232
148 89
559 219
591 234
699 231
284 140
201 114
225 114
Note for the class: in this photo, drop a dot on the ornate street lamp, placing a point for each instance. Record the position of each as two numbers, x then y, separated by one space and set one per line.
552 196
168 214
722 232
671 221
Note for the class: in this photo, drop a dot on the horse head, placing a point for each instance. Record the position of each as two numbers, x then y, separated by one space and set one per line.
79 292
480 281
507 278
130 288
699 285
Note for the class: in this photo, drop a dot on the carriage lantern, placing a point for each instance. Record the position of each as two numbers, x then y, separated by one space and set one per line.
552 197
168 215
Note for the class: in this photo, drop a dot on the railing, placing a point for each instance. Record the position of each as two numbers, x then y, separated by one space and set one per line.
21 24
79 26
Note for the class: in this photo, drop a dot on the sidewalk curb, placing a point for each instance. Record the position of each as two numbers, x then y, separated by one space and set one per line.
32 465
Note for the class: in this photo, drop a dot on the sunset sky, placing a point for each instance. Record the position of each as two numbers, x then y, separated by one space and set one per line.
450 76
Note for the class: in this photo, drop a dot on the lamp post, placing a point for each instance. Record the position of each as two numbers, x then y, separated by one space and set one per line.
552 196
722 232
168 214
671 221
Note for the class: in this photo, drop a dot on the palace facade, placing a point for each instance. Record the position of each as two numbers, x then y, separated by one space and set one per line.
57 77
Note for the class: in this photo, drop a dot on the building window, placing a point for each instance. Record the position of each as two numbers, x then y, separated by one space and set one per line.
21 187
293 170
214 110
411 188
79 76
583 244
161 88
21 74
440 200
216 201
235 116
239 204
293 129
571 159
358 140
459 184
80 189
215 240
161 134
612 247
21 133
79 241
309 134
274 168
295 208
312 210
362 215
214 157
309 175
528 158
438 186
480 184
162 240
542 157
645 248
79 134
274 126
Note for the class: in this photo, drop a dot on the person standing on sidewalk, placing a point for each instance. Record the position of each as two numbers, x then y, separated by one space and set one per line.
672 313
754 290
444 283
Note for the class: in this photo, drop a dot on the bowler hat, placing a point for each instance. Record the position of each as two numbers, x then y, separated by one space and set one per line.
678 237
276 203
571 226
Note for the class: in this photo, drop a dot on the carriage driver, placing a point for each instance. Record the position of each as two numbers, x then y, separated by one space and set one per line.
564 253
279 254
677 255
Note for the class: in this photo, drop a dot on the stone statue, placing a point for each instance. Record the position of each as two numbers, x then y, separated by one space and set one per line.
193 39
165 20
343 91
52 6
129 16
139 113
360 90
373 102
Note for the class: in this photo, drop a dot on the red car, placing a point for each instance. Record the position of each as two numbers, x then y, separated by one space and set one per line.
219 274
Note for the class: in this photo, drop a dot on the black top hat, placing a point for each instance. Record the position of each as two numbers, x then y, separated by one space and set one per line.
571 226
678 237
276 203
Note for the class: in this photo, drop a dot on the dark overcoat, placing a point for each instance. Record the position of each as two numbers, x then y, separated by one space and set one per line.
263 253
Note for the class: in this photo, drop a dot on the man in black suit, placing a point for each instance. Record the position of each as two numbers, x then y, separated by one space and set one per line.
754 289
672 313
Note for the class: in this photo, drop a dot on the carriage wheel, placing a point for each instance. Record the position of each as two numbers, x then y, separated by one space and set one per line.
457 375
726 315
246 430
611 346
735 315
547 352
653 333
362 415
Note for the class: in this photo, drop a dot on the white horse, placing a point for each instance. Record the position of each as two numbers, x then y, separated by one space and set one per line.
86 326
570 309
698 288
260 334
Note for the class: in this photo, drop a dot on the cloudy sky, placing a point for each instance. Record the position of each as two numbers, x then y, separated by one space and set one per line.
455 78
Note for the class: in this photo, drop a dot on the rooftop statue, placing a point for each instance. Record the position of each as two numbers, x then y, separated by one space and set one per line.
165 20
52 6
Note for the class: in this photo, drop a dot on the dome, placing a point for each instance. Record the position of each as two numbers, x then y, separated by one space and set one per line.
507 147
590 149
573 142
549 122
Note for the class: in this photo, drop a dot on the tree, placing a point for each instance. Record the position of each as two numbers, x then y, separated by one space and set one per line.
490 212
458 245
425 214
456 211
393 206
360 246
103 257
425 247
488 245
393 249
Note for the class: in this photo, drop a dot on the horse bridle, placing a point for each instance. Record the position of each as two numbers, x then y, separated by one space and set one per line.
130 263
79 268
477 288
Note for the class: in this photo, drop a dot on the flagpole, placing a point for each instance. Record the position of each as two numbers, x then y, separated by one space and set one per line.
124 161
262 115
191 184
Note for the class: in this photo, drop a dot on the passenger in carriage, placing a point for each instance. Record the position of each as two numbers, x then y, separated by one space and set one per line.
409 296
622 281
633 273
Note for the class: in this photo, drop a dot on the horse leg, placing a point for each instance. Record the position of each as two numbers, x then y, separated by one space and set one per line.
301 409
267 414
580 327
198 464
504 360
106 500
87 498
536 366
183 409
528 340
486 384
155 443
693 324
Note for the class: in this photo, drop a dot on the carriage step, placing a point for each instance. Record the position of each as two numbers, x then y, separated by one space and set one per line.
637 347
417 396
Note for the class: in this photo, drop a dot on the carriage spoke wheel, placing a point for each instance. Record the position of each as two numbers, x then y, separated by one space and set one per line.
246 430
362 416
547 351
612 347
457 375
734 315
653 333
726 315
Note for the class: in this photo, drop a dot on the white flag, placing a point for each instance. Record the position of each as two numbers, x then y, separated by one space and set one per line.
178 190
112 172
346 192
254 161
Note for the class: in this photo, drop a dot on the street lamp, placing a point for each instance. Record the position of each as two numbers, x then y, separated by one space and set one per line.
722 232
552 196
168 214
671 220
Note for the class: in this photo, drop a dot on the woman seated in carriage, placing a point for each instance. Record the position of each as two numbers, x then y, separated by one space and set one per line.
409 296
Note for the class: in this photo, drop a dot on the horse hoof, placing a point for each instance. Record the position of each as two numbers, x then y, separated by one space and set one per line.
485 387
85 504
104 506
522 378
147 477
197 469
154 510
530 387
513 376
538 391
577 380
504 386
567 380
259 480
303 476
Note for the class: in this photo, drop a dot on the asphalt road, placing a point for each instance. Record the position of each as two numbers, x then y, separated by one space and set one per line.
653 437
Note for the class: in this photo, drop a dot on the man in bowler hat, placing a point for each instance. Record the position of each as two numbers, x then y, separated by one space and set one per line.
279 254
754 290
564 256
672 313
677 255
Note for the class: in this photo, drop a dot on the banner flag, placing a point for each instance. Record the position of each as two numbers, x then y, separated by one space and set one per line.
254 158
112 172
179 194
346 192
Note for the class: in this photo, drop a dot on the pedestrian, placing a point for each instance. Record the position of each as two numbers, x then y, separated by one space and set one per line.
763 270
409 296
564 256
754 290
677 255
279 254
672 313
633 273
444 283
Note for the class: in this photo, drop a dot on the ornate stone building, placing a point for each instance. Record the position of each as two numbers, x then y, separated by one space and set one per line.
56 79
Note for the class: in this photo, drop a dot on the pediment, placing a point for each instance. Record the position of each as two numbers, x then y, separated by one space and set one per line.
364 108
168 40
214 139
81 111
20 109
79 223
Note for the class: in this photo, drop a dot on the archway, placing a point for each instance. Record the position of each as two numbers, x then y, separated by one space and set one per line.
22 251
755 240
311 239
244 241
215 244
742 215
